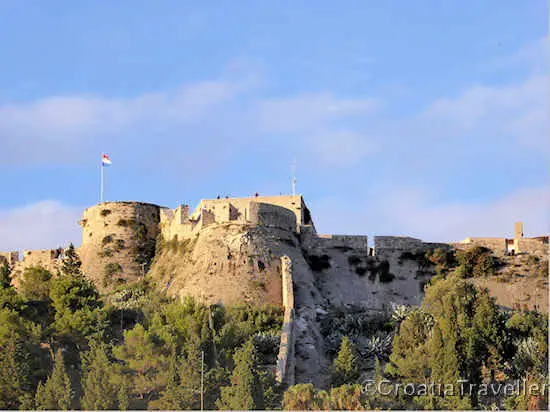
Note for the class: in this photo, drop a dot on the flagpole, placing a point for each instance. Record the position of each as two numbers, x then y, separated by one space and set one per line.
102 184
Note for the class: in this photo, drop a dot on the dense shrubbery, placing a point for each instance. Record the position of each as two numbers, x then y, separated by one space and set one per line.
476 261
136 349
64 346
458 333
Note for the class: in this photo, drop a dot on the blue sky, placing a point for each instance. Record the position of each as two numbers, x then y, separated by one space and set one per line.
421 118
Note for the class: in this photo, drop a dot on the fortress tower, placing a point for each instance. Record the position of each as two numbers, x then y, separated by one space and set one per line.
118 241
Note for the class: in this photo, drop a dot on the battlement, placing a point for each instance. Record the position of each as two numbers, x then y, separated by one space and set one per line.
283 212
119 238
506 246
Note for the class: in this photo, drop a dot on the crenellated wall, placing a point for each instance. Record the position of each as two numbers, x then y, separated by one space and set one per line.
246 211
286 357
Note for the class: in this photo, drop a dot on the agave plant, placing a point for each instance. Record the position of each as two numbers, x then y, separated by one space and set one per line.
400 312
129 299
266 342
380 345
528 356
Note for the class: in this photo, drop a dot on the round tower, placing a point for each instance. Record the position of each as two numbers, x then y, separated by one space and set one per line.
118 241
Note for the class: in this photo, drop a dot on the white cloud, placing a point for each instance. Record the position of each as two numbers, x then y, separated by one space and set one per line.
517 111
416 212
341 147
423 216
42 225
52 128
308 112
533 55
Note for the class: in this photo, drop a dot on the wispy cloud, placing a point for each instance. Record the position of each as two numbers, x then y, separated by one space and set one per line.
310 112
68 125
358 150
514 111
41 225
417 212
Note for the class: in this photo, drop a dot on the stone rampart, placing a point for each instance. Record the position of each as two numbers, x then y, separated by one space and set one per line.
273 211
238 209
538 245
49 259
391 245
496 244
9 258
265 214
318 244
285 359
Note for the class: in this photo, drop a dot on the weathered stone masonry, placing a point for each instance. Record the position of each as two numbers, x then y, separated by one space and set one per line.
285 359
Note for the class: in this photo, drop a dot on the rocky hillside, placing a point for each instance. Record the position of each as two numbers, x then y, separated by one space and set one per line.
235 263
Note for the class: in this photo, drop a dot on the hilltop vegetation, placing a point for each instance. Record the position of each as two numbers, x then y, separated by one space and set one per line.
458 337
63 346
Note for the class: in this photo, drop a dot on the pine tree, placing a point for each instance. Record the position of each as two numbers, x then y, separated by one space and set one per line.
35 283
304 397
98 381
246 391
190 377
172 397
437 356
71 263
146 361
347 398
5 276
14 370
57 392
40 397
123 398
345 369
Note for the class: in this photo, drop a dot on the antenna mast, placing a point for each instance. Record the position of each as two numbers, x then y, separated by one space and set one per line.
293 172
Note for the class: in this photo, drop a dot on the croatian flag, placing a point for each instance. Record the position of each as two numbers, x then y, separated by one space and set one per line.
105 161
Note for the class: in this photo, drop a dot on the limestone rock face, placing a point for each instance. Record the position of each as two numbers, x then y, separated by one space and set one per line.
228 263
118 241
235 264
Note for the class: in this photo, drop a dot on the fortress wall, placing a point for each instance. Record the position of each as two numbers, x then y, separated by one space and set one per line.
397 243
220 209
497 245
272 216
241 205
113 233
207 218
533 245
435 245
10 258
49 259
319 244
285 359
176 223
172 230
227 209
360 243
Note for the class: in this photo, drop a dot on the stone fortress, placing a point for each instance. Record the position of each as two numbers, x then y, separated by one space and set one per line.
110 227
257 250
